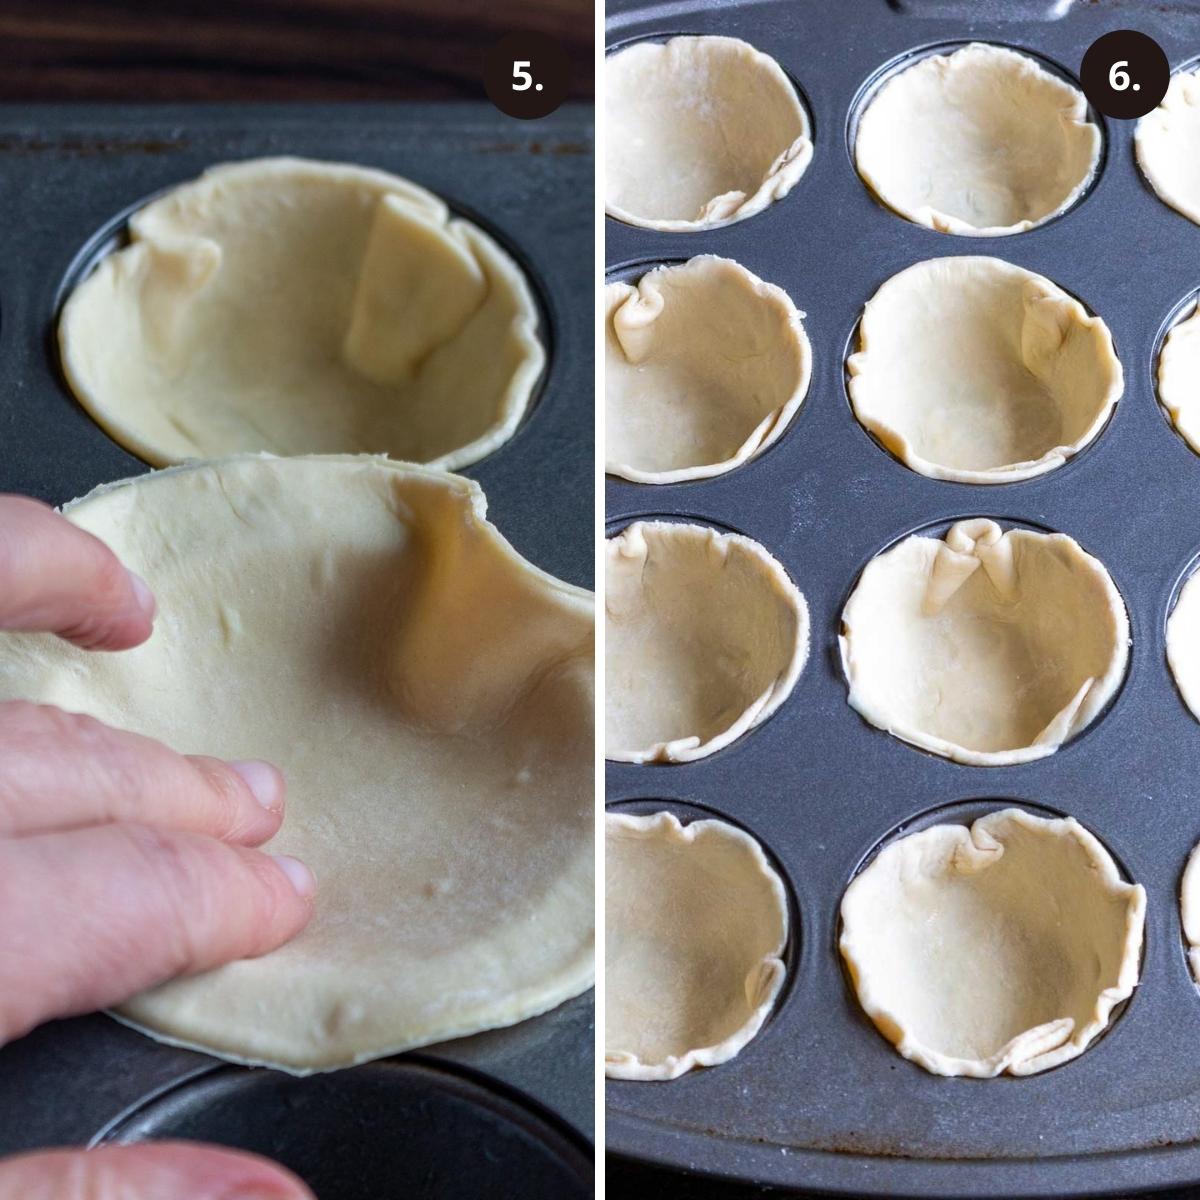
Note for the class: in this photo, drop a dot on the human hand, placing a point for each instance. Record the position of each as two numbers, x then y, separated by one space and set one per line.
122 863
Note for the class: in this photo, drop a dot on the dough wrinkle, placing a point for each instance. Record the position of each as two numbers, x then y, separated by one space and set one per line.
967 546
632 320
168 275
1066 723
419 284
720 208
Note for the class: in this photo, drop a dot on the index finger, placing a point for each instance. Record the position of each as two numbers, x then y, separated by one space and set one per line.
56 578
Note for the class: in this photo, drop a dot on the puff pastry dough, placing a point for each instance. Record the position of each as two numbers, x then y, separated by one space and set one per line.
702 131
1189 910
1183 643
302 307
982 141
428 694
1167 144
979 371
705 366
706 637
989 648
696 926
1003 946
1179 378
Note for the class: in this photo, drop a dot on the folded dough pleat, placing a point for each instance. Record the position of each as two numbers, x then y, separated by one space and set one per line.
418 286
163 276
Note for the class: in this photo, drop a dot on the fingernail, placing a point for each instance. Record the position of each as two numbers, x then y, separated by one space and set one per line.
143 595
299 876
263 780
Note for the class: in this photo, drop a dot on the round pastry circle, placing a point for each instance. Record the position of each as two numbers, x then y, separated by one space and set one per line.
303 307
696 926
976 370
702 132
998 947
705 638
428 694
987 666
1178 368
1167 143
982 141
1183 643
705 366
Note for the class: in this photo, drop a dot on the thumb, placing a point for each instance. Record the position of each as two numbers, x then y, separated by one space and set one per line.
157 1171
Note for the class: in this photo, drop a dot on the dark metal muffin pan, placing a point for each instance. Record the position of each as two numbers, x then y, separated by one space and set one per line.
819 1100
68 175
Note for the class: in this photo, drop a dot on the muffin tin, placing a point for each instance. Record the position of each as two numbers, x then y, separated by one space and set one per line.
70 177
819 1100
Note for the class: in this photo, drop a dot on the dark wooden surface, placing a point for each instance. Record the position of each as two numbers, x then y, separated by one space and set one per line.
272 49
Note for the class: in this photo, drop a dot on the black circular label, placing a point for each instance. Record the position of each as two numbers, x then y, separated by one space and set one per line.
1124 74
526 75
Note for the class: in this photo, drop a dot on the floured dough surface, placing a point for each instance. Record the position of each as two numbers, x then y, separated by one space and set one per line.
702 131
981 141
976 370
705 366
986 647
696 926
1179 378
705 638
1167 143
1002 946
303 307
1183 643
428 694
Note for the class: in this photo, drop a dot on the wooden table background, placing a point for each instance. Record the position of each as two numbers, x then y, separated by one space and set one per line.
272 49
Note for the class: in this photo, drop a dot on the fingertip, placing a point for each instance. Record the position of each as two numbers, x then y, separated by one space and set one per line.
125 622
134 623
265 781
245 800
143 596
300 876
